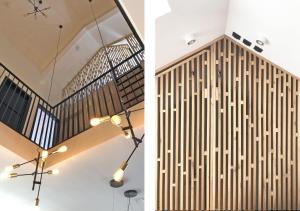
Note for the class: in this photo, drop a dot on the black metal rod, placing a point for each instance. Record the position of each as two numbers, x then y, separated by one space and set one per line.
61 121
40 182
14 76
68 124
83 109
129 23
93 101
36 170
36 123
73 122
88 104
48 130
10 97
132 153
64 117
98 97
44 119
77 108
16 102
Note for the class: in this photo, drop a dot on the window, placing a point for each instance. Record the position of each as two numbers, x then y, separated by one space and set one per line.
45 128
14 104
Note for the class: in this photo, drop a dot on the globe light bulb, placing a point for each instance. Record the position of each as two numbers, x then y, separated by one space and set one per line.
4 175
95 121
53 172
116 120
45 155
62 149
118 175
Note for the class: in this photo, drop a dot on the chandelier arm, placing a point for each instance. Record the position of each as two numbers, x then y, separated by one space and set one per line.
133 151
36 170
22 175
40 181
21 164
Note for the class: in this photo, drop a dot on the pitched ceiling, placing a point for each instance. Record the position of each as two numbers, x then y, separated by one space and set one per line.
83 182
208 19
37 38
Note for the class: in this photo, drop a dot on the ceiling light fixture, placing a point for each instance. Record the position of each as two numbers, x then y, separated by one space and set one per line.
40 159
44 155
36 9
262 40
116 120
190 39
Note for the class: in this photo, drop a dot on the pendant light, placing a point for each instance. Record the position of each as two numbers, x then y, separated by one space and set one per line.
42 156
128 131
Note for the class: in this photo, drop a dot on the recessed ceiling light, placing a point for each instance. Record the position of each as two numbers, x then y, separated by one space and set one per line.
261 40
191 42
190 39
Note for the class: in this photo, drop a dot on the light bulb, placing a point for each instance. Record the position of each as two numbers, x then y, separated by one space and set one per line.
11 167
119 174
127 134
62 149
116 120
53 172
95 121
4 175
45 155
8 168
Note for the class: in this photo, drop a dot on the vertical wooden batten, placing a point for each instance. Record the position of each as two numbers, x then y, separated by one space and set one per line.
228 132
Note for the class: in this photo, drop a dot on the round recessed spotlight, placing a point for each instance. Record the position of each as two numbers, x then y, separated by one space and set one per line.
190 39
191 42
260 42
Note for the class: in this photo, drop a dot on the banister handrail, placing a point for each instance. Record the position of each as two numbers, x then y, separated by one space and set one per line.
2 65
68 118
101 76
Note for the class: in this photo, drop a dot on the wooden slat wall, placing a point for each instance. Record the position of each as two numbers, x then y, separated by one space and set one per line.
228 133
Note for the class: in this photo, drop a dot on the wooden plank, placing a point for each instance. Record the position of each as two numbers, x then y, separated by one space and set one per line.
228 133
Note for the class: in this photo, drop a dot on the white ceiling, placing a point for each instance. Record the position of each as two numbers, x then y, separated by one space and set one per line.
37 38
277 20
82 48
208 19
33 61
83 182
205 19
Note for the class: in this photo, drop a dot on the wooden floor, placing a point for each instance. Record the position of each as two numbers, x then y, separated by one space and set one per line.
228 132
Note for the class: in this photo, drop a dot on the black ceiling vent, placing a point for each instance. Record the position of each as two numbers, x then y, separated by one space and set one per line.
247 42
236 35
258 49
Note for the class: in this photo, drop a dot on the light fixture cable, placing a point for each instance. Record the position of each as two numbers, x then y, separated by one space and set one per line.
55 60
